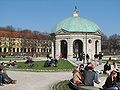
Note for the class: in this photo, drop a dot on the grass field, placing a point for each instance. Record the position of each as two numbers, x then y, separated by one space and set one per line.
38 66
11 58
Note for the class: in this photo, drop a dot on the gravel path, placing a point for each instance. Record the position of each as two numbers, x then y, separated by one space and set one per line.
35 80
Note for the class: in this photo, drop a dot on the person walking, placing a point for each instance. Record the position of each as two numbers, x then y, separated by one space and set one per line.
96 59
87 58
100 58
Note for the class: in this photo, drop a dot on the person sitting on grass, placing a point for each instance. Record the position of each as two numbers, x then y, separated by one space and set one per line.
55 62
1 78
9 63
47 63
14 63
6 78
29 60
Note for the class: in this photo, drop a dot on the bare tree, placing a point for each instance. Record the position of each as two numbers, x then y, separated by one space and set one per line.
114 43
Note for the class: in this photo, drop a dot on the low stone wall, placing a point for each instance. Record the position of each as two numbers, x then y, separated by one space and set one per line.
75 87
87 88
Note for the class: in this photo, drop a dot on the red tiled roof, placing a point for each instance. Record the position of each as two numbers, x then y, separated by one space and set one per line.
10 34
22 34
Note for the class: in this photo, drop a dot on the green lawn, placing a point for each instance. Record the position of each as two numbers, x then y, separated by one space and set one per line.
11 58
38 66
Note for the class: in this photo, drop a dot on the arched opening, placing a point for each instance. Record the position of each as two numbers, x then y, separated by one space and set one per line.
13 49
4 49
17 49
77 48
0 49
28 49
96 46
64 49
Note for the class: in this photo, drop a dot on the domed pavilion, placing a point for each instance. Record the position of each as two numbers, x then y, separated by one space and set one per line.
75 36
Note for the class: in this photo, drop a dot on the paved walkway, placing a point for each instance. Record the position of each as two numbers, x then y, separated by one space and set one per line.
40 80
35 80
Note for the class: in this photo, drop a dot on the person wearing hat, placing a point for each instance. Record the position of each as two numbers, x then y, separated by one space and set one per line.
91 76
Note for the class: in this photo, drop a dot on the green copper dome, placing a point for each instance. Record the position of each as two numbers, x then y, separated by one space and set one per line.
77 24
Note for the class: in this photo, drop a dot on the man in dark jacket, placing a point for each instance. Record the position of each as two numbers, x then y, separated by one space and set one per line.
91 77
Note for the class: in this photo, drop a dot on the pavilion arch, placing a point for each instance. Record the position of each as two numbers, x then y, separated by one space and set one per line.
64 48
0 49
77 47
75 30
4 49
96 46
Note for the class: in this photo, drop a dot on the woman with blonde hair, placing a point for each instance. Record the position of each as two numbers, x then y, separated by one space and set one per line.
77 77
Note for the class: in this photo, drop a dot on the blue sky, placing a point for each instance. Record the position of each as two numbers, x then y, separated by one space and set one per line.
42 15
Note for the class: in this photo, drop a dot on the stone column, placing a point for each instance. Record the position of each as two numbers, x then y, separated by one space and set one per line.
70 49
52 48
15 49
6 49
99 46
26 50
85 46
58 51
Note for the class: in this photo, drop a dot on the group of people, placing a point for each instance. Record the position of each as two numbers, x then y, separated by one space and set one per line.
88 75
97 58
81 57
85 75
113 80
108 68
4 78
29 60
50 62
12 63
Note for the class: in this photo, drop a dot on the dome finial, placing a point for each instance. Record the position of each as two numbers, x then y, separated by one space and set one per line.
75 13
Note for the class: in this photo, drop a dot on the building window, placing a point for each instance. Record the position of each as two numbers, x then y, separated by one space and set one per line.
35 50
41 49
32 50
89 41
0 49
96 46
44 49
17 44
21 50
28 49
13 49
47 49
4 49
38 50
17 49
50 50
24 49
